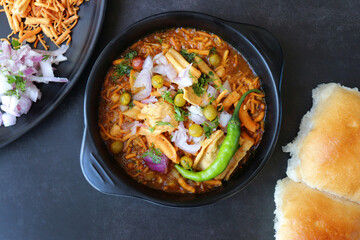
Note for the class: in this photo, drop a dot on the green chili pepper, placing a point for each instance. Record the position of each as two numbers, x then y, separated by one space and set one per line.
227 149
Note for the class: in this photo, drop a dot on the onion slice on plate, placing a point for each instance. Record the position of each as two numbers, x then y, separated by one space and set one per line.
20 68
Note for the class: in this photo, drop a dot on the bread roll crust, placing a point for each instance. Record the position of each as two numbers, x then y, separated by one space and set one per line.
326 153
307 214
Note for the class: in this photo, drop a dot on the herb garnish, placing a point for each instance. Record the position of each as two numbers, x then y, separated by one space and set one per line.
45 57
212 50
200 87
180 113
130 55
212 98
19 85
160 40
15 44
122 68
160 123
131 105
125 66
188 56
154 154
210 126
187 166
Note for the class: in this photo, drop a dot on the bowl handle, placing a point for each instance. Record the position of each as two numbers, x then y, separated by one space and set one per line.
96 174
266 44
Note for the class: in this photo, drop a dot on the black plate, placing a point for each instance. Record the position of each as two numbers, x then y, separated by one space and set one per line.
257 45
84 37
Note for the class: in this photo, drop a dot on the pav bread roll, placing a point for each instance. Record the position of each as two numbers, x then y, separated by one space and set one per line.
326 153
307 214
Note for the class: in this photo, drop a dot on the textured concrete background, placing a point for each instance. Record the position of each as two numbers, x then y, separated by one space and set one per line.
43 194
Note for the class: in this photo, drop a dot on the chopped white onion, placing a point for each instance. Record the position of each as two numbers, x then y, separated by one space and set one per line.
184 79
151 99
163 67
197 139
160 59
224 118
57 52
28 66
8 119
148 64
162 89
143 80
227 86
46 68
211 91
196 114
134 128
24 105
167 118
180 138
123 108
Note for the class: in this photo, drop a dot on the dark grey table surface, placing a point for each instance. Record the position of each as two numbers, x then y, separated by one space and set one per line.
43 194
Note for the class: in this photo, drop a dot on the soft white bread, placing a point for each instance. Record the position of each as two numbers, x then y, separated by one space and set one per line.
326 153
308 214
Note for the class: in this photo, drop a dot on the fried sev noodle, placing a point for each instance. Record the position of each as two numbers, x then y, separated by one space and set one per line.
200 43
32 19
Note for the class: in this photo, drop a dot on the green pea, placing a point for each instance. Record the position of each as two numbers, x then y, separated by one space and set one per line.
179 100
157 81
116 147
215 59
196 130
210 112
125 98
186 162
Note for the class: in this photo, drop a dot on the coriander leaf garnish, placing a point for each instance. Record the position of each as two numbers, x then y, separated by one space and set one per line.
212 50
154 154
210 126
19 85
130 55
15 44
200 87
160 40
45 57
188 56
160 123
125 66
167 97
122 68
211 99
180 113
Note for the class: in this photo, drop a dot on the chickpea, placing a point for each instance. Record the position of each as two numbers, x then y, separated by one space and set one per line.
115 130
179 100
215 59
125 98
221 72
116 147
115 98
196 130
210 112
157 81
186 162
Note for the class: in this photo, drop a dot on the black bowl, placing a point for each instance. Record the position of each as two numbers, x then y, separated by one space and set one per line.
258 46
